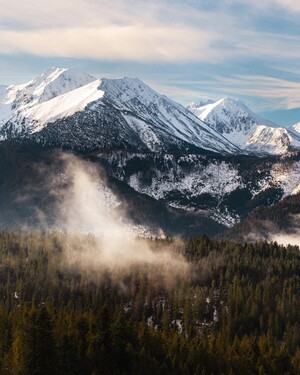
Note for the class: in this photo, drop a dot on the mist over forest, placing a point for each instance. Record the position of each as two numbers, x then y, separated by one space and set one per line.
195 306
138 234
84 289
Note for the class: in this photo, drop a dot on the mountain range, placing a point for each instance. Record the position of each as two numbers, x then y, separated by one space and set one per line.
63 107
62 102
203 167
248 131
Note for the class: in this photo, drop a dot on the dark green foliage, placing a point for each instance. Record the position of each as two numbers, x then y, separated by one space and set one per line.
263 222
237 312
33 346
238 200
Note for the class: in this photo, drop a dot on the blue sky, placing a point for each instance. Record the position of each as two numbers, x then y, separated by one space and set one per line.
188 50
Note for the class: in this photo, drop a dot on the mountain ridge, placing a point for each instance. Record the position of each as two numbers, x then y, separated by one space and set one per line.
136 112
250 132
154 147
54 104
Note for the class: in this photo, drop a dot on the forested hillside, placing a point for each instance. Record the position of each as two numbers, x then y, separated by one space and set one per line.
233 309
263 223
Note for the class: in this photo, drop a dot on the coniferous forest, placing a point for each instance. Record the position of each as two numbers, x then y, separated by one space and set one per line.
234 310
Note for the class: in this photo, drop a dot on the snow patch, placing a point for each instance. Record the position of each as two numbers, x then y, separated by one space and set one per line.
225 217
216 179
64 105
233 119
287 176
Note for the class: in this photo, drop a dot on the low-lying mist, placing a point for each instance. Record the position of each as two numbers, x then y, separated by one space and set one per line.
99 238
287 239
268 230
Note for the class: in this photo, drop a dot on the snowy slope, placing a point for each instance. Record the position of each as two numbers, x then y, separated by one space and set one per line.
296 127
50 84
233 119
63 104
225 189
227 115
67 108
272 140
294 132
30 100
154 116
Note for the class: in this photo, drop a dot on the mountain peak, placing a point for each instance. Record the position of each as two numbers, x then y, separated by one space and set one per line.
51 83
229 114
235 121
127 82
233 105
201 103
54 70
126 89
126 112
56 81
227 100
296 127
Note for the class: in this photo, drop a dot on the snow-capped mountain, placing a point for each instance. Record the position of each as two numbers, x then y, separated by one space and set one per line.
296 127
228 114
67 108
56 93
63 107
150 148
294 130
271 140
234 120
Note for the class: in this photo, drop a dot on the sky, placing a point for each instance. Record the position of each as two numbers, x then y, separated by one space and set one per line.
187 49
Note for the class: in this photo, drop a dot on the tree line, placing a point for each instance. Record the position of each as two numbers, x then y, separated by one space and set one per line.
235 312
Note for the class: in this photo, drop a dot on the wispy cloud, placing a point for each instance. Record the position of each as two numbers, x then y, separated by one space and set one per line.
269 92
134 30
232 41
291 5
288 5
133 43
180 93
261 93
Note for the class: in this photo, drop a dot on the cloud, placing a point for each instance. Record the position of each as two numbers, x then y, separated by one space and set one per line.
180 93
135 31
226 37
288 5
260 93
287 239
273 91
291 5
109 244
135 43
119 30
